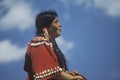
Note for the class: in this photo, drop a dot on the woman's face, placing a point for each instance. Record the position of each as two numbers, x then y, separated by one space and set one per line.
55 28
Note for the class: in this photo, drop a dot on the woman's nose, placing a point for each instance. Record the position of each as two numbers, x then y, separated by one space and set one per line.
60 24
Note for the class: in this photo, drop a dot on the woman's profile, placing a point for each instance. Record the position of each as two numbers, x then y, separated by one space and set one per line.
44 60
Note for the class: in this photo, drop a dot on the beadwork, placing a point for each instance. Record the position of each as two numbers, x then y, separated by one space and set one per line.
42 42
47 72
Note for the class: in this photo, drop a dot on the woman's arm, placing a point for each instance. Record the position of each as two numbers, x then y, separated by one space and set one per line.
67 76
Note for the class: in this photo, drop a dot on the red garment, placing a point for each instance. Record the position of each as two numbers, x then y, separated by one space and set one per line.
41 61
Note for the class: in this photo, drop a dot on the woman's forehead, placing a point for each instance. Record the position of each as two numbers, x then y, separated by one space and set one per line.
56 18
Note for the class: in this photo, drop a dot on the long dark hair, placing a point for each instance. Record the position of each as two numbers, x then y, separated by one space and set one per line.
45 19
61 58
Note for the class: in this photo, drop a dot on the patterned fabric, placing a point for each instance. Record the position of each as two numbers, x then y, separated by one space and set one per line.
41 62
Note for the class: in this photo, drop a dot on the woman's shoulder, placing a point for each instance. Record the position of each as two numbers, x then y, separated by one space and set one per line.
37 41
39 38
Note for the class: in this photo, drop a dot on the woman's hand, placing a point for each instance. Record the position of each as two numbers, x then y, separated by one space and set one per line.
74 72
73 75
77 78
76 75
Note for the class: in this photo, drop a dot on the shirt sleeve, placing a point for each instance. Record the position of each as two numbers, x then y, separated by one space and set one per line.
44 62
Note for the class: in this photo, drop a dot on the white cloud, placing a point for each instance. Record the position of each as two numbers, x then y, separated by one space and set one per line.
110 7
10 52
65 46
68 3
78 2
19 15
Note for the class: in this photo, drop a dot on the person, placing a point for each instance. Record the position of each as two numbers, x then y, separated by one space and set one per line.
43 59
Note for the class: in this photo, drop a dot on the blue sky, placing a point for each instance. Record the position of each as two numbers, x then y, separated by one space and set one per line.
90 36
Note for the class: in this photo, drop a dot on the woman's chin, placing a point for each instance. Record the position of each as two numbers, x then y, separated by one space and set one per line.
57 35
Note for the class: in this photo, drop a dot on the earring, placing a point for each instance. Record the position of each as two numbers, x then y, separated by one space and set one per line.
45 33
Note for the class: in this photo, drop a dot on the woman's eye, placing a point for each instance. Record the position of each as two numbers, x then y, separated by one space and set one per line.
56 21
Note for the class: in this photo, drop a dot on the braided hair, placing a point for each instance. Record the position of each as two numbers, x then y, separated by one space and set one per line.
60 55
